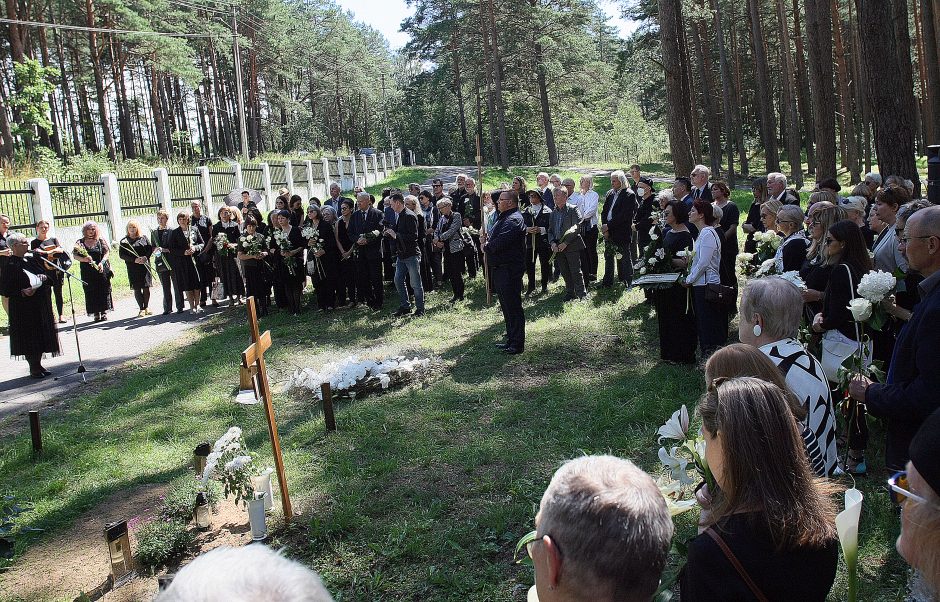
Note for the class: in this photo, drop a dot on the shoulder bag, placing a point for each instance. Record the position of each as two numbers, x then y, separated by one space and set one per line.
717 292
836 347
737 565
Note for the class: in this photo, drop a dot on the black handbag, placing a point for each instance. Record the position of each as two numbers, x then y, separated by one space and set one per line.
721 294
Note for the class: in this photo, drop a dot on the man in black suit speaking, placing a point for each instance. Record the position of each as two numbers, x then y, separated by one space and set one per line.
365 232
505 252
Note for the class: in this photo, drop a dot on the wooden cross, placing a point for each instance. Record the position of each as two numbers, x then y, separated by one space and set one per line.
254 357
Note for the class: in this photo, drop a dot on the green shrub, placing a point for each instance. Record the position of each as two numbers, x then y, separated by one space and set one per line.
161 539
180 500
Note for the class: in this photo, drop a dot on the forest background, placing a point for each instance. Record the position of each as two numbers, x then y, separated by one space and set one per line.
818 87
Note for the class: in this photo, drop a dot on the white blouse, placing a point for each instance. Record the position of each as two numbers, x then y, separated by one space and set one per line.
707 260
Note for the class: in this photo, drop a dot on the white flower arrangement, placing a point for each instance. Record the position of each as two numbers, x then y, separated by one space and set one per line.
308 232
877 285
660 253
771 239
235 471
674 483
767 268
793 277
355 372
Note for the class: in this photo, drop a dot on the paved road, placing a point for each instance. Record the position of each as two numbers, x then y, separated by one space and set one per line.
104 345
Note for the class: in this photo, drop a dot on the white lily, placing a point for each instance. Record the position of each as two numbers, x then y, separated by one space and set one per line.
677 466
847 527
676 427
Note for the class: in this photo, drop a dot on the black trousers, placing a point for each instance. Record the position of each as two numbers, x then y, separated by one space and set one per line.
206 276
293 289
369 281
453 269
624 266
711 322
589 254
346 281
170 292
427 278
142 296
436 258
507 284
542 256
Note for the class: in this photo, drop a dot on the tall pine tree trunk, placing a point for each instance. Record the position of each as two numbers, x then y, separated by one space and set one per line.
931 43
819 43
498 82
458 90
765 101
847 118
104 114
893 119
156 108
55 136
731 123
67 93
710 98
739 132
789 100
670 23
542 84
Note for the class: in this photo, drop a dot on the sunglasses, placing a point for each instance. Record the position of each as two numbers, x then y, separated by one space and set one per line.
900 491
829 240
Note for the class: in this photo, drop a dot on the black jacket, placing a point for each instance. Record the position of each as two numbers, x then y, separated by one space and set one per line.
506 242
620 226
470 208
360 224
406 235
543 220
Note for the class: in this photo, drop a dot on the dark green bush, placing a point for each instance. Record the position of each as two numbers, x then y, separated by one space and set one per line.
180 500
161 539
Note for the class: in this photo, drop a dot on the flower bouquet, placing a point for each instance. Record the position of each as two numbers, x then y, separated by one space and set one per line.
656 260
566 239
81 251
230 464
252 244
690 453
368 236
317 268
284 246
875 287
222 244
767 245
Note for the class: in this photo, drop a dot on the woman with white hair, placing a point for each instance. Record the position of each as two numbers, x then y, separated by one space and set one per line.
92 252
769 319
855 208
617 227
792 251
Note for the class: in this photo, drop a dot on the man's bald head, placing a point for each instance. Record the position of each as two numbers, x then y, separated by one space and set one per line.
921 241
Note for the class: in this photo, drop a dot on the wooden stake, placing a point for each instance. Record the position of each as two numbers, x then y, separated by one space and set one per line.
35 431
254 356
328 416
486 267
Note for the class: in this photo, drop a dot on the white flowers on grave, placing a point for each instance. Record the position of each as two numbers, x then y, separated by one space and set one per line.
355 372
230 465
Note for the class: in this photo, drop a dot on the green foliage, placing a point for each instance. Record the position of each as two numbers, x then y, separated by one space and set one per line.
33 83
180 500
161 539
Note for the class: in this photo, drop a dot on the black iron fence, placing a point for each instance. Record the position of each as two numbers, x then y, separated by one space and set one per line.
278 175
75 202
138 195
16 202
185 187
222 183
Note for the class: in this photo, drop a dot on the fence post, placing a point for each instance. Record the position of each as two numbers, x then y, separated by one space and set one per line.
112 202
289 177
309 166
384 166
163 189
266 184
326 176
375 166
237 172
365 170
42 203
206 187
355 170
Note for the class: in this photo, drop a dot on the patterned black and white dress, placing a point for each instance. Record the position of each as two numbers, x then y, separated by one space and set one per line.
805 376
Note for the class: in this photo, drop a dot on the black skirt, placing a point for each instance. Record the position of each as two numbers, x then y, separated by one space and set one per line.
677 333
230 276
32 324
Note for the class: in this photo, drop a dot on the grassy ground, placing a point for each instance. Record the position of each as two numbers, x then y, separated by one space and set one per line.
422 492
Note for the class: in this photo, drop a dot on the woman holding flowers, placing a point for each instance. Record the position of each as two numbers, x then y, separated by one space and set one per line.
92 252
888 258
161 259
816 269
310 231
753 222
346 285
185 243
673 311
227 233
848 256
49 248
288 248
711 318
252 251
329 260
136 250
771 531
791 253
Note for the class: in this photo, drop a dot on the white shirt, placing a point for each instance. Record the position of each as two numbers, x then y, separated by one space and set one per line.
587 203
707 259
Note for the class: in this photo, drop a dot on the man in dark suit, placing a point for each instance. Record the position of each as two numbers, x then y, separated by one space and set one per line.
405 236
701 189
366 221
505 251
541 180
431 218
471 211
335 199
567 247
459 191
389 217
910 394
617 227
682 190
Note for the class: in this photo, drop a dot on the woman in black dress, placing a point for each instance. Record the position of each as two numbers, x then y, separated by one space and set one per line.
346 275
327 284
728 226
161 259
310 230
185 243
136 250
815 271
203 259
287 246
226 266
50 249
92 251
32 324
252 251
677 333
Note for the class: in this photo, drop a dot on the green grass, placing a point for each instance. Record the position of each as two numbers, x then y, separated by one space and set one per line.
422 492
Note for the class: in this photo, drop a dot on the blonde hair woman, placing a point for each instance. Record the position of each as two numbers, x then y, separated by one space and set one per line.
92 252
135 249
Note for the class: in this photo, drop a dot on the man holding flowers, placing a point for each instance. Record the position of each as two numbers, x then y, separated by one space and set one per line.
910 393
566 243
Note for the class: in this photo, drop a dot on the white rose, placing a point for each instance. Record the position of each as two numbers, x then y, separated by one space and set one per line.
654 237
652 261
861 309
642 270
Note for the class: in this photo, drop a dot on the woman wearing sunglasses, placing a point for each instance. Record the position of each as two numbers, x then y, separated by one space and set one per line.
916 490
771 532
849 259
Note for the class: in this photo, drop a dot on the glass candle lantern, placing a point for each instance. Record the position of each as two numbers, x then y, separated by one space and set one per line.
199 457
119 549
202 511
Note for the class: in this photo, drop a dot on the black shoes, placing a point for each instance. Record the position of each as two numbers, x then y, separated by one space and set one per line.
402 311
418 313
501 345
512 350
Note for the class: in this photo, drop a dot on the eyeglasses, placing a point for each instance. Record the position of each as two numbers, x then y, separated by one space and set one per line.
900 491
907 239
716 383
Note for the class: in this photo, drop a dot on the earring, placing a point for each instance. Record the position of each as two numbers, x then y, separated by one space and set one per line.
757 330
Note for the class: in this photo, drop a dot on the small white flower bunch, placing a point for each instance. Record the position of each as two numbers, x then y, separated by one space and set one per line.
653 234
308 232
236 466
793 277
770 239
861 309
660 253
766 269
